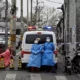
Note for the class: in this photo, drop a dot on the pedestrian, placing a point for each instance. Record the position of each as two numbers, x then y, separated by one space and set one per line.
47 56
34 63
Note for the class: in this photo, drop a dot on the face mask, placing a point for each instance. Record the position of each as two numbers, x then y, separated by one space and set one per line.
48 40
36 42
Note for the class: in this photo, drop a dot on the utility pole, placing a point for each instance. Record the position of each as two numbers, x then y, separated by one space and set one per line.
37 11
22 28
47 17
13 26
6 25
27 13
31 12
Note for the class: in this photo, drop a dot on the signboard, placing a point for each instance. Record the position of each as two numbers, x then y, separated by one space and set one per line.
13 37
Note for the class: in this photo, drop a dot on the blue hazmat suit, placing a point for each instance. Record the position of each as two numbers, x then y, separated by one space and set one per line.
35 58
47 56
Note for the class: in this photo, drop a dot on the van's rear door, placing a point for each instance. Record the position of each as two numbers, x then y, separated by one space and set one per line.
29 40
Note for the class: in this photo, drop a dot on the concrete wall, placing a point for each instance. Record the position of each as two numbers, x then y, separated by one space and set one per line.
78 20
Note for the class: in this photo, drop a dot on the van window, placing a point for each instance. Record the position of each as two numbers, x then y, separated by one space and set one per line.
31 37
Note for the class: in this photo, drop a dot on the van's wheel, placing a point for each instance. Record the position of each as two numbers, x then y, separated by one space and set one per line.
23 65
56 66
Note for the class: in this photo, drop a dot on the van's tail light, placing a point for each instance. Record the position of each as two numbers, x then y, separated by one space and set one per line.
24 52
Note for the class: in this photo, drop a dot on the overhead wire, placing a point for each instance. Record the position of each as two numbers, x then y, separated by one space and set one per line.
54 2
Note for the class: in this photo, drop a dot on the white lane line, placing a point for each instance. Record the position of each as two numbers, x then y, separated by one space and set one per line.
18 53
61 78
35 76
10 77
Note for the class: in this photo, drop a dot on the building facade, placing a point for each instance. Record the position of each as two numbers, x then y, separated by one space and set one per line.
72 25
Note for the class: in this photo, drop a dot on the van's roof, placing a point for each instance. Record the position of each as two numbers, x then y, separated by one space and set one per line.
43 32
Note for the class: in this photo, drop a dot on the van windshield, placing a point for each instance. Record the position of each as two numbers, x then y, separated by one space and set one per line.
31 37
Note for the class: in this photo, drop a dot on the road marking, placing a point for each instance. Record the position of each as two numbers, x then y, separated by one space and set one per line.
10 77
18 53
61 78
35 77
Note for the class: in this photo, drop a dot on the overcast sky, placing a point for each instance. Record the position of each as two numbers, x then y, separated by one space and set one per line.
48 3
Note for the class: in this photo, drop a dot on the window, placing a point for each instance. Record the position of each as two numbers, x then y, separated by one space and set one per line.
31 37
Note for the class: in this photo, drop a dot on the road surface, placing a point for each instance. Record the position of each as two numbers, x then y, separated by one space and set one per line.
16 74
24 75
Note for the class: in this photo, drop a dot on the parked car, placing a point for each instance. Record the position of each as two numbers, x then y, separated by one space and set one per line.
2 40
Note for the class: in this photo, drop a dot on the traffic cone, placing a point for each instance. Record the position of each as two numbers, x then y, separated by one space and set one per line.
11 63
19 63
2 66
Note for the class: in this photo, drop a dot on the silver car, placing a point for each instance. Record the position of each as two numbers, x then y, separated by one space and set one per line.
2 40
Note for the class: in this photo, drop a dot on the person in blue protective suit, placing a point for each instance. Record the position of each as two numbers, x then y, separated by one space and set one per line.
47 56
34 63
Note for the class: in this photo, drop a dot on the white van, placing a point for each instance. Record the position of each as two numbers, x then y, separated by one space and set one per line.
28 40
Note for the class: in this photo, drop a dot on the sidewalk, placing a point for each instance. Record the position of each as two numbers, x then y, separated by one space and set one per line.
61 63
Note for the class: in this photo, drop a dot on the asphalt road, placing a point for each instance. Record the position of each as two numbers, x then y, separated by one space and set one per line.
16 74
24 75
